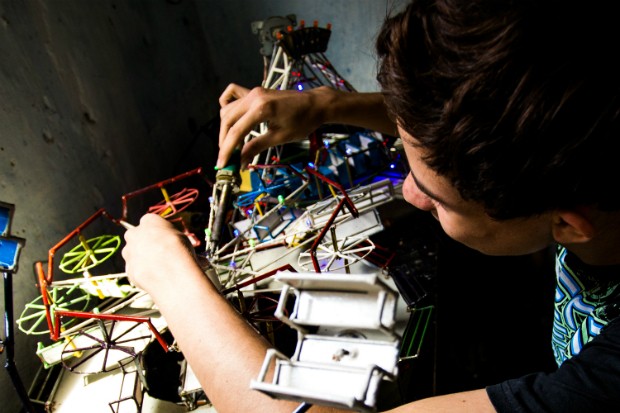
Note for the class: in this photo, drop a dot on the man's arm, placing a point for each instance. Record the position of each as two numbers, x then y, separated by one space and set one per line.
292 115
223 349
475 401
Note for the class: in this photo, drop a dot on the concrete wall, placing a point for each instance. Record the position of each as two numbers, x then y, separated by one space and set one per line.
101 97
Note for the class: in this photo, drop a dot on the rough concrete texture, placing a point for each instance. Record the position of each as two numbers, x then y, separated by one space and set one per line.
98 98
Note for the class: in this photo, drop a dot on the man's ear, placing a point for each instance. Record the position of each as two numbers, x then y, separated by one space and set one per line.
570 227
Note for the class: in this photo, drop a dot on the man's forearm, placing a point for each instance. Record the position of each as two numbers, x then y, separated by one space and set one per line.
366 110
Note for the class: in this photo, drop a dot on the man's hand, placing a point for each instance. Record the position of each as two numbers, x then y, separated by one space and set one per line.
154 250
291 115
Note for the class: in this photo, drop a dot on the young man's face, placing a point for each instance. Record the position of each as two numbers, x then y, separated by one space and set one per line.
466 221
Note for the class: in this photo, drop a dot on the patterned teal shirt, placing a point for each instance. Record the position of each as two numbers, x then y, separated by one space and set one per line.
587 298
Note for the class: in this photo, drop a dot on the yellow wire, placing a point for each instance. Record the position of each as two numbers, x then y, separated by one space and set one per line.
257 205
167 199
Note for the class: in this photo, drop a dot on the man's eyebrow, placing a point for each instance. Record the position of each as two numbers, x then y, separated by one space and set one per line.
427 191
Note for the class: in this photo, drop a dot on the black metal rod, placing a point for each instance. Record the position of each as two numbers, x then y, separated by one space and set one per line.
9 344
304 407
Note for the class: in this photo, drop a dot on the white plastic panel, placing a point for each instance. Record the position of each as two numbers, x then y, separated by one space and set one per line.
348 352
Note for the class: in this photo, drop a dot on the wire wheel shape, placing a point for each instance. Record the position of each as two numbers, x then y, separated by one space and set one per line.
103 349
176 203
89 253
261 309
33 319
336 255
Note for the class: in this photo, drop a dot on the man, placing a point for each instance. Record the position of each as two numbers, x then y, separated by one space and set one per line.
509 116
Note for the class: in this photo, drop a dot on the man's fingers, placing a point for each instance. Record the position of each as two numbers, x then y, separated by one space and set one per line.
152 219
249 111
253 147
259 144
229 115
233 136
231 93
236 123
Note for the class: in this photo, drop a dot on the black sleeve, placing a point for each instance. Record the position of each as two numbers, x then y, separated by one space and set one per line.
588 382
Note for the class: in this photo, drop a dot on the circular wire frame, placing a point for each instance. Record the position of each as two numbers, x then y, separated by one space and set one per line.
177 202
261 309
105 348
94 252
33 319
332 256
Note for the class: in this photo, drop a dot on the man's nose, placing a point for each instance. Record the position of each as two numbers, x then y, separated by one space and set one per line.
414 196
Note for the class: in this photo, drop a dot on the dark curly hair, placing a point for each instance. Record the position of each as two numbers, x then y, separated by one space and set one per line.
516 102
